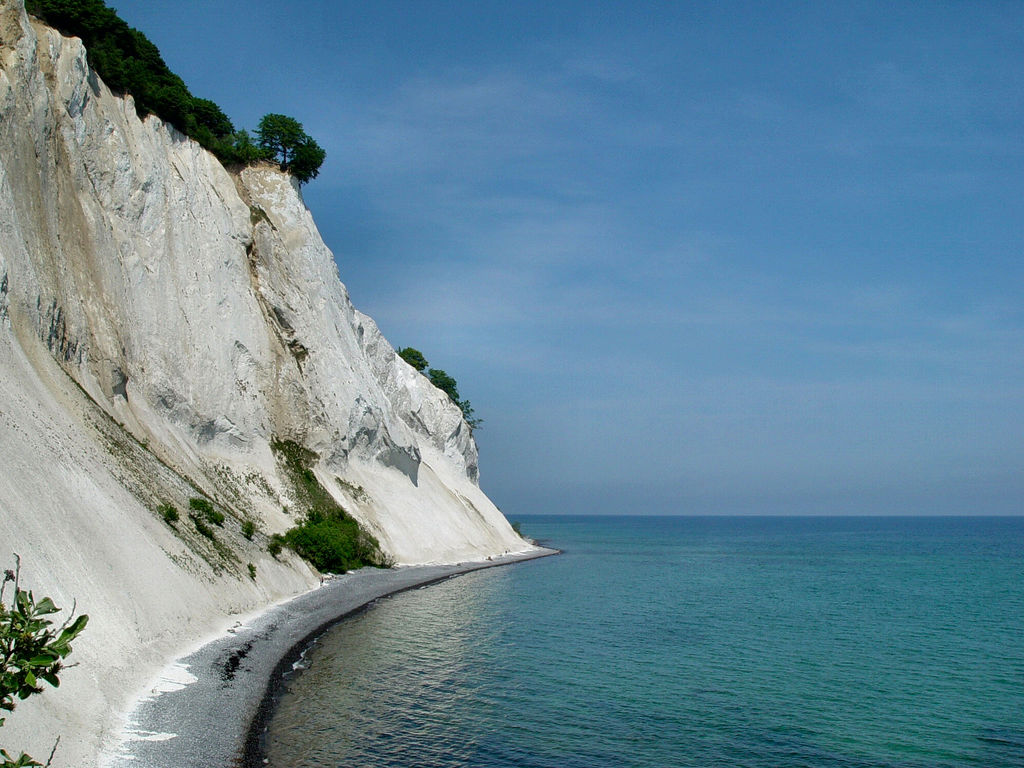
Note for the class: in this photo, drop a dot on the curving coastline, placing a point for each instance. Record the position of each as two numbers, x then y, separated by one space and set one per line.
210 706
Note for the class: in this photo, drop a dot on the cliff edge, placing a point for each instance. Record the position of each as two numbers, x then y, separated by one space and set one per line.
162 322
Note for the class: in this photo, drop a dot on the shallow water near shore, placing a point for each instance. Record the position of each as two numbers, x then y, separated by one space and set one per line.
818 642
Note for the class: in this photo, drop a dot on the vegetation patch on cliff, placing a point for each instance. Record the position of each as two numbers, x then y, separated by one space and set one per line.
130 63
442 381
327 536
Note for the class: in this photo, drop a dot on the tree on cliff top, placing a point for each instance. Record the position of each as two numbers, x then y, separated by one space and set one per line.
445 383
442 381
129 63
414 358
450 387
287 143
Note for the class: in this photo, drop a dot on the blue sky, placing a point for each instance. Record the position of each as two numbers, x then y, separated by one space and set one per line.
689 258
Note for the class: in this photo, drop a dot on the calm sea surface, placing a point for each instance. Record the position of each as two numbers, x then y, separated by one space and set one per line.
712 642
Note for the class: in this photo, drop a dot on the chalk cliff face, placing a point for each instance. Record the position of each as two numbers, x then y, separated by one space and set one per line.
161 321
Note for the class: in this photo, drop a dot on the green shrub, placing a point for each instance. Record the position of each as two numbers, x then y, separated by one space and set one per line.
31 651
205 508
200 505
275 545
445 383
332 544
169 513
326 535
450 387
248 529
252 571
357 491
201 526
414 358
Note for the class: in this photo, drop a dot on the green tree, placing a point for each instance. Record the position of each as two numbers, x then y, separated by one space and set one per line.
309 156
450 387
31 651
244 150
209 115
445 383
468 414
129 62
279 135
414 358
172 103
286 142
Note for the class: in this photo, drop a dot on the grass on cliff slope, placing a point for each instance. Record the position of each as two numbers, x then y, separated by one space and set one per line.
326 536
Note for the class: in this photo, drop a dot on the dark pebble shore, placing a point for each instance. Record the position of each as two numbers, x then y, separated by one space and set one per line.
219 719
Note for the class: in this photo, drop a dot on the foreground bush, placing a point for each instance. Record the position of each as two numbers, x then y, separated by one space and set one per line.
31 651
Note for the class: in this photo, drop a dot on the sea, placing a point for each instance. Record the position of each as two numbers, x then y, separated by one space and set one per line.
713 642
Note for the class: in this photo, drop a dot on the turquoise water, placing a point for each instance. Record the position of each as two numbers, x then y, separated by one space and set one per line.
707 642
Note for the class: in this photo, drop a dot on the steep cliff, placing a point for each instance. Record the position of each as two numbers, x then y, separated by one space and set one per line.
162 321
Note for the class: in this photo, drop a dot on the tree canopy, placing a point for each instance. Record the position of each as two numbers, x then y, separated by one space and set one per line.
129 63
414 358
285 141
444 382
450 387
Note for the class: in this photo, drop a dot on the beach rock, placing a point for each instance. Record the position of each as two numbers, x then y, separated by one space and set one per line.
162 321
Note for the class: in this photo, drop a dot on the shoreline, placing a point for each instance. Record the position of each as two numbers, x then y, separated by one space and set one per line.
211 706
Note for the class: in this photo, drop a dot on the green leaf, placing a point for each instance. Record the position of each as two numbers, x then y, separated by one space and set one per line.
70 633
46 606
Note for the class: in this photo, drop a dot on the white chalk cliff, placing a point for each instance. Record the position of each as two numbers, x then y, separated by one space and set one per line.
161 321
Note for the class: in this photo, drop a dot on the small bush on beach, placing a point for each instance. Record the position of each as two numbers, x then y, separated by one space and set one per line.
205 508
169 513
